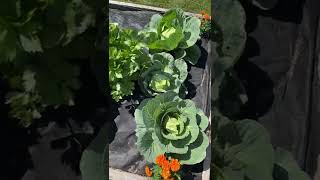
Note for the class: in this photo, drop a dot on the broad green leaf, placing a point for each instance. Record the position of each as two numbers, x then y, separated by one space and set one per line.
229 174
287 166
149 146
232 95
29 82
169 124
154 23
252 153
30 44
182 67
229 21
179 53
193 54
202 120
76 25
94 160
169 43
8 44
196 152
191 32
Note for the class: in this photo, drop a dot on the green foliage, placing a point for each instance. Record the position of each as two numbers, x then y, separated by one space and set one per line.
127 59
168 124
241 148
232 95
164 75
94 160
25 103
172 31
229 18
42 37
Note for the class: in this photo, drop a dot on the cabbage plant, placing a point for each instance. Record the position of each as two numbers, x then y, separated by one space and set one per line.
167 124
174 31
165 74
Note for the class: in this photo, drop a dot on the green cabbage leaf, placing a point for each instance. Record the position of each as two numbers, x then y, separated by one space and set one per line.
167 124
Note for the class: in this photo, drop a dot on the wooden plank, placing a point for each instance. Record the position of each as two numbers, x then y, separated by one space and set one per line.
116 174
140 7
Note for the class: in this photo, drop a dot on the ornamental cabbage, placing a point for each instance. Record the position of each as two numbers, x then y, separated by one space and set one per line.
167 124
127 59
164 74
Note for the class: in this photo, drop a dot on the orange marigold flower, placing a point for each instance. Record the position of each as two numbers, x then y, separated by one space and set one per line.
175 165
148 171
207 17
161 159
166 165
165 173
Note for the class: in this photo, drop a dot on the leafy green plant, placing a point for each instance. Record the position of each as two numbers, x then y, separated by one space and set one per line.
127 59
25 102
241 148
164 75
205 28
167 124
174 31
43 37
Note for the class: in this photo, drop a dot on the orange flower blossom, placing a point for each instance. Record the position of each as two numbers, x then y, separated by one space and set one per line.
161 159
148 171
175 165
165 173
207 17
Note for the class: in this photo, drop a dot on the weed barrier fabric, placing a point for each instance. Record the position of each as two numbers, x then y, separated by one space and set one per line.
123 154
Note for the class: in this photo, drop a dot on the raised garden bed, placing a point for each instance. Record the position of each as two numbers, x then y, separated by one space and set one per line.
125 158
123 153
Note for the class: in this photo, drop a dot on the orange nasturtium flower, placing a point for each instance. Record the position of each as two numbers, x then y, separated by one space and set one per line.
148 171
175 165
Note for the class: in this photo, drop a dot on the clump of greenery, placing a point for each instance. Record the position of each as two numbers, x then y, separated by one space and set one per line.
164 75
127 59
171 125
174 31
154 55
241 148
43 37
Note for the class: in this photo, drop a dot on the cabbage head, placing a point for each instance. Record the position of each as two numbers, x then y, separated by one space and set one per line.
167 124
164 75
171 31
